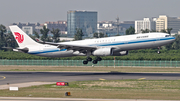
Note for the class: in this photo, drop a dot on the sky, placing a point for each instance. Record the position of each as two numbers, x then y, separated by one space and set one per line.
54 10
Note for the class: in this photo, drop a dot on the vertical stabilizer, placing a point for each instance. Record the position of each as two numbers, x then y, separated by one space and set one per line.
21 38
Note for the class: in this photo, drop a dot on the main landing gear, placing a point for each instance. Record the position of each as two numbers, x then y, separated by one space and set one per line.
87 59
96 60
90 59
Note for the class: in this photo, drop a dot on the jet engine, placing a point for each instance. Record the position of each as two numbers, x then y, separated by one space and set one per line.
103 52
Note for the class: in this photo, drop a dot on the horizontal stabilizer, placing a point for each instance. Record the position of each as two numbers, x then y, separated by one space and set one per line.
24 50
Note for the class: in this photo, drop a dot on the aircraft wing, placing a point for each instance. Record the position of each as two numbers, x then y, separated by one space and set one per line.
80 48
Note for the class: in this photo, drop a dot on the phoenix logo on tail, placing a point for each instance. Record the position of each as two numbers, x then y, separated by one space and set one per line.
19 37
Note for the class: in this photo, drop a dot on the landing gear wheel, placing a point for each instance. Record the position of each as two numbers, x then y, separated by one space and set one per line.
95 61
99 59
89 59
85 62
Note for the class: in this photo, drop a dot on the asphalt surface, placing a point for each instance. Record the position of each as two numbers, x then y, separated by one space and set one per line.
69 99
22 77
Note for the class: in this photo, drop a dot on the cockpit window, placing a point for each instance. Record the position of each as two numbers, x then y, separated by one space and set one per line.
167 35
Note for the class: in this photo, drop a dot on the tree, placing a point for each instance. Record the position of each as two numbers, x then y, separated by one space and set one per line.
152 30
169 30
98 35
176 43
2 35
130 31
56 34
117 35
36 34
145 31
79 34
106 35
163 30
10 40
44 33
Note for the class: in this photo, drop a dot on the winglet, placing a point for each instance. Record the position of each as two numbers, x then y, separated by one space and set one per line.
39 40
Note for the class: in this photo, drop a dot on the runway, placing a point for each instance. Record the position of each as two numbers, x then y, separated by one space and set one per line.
22 77
69 99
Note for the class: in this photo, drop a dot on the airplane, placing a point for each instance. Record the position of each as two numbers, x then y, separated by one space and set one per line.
108 46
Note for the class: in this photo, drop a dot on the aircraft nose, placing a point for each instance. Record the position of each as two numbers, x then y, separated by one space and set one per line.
173 38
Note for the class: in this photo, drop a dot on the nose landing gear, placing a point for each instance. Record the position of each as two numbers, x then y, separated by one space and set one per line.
158 50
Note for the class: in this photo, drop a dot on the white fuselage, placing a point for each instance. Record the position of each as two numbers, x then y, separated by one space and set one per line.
118 43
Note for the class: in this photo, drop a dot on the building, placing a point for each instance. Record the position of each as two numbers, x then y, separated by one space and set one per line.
85 20
165 22
109 28
61 25
146 23
179 32
127 24
161 23
105 24
112 31
29 28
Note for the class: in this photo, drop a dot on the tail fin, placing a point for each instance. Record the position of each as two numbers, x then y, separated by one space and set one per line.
22 38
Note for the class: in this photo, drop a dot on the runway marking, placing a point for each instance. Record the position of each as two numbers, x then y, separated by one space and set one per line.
141 78
2 77
101 79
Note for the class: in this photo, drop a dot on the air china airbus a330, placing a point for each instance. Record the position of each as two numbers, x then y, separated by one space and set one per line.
109 46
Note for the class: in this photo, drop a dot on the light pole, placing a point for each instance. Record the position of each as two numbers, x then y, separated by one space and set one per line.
117 25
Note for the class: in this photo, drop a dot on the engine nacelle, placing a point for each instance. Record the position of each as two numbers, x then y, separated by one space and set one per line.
121 53
103 52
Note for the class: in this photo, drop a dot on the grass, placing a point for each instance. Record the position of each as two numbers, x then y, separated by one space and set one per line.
90 69
113 89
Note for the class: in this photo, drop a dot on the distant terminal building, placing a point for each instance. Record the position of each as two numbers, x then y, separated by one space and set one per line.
144 24
111 31
85 20
20 25
127 24
61 25
109 28
165 22
29 27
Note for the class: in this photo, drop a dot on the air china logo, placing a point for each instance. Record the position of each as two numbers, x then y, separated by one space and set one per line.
19 37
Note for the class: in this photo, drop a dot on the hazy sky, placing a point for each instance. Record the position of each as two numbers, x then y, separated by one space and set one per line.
54 10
